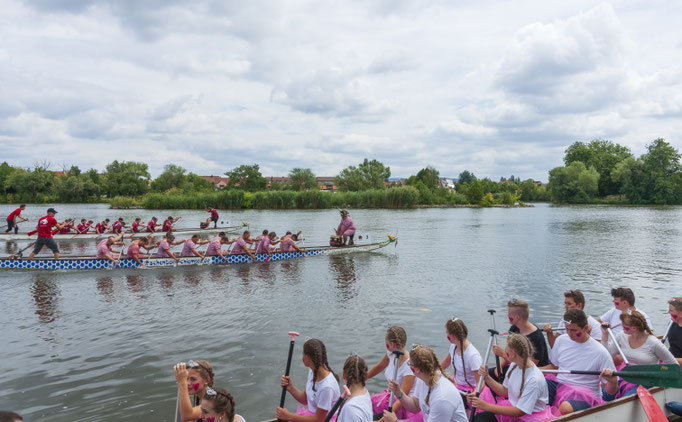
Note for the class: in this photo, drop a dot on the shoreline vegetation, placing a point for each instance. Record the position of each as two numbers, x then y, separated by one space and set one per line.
597 172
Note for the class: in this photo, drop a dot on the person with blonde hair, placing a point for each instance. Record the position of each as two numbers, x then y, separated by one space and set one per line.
193 378
218 406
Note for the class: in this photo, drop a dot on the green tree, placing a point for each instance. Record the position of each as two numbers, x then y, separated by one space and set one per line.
5 171
173 176
430 177
631 177
302 179
197 184
663 171
126 178
574 183
603 155
466 177
368 175
475 192
247 178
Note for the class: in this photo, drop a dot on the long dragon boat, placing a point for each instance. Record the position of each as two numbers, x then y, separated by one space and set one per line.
92 235
89 263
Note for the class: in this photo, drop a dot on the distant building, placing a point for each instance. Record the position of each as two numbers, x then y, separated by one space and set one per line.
218 182
448 183
326 183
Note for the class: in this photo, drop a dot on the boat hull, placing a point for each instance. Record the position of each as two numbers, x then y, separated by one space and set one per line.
90 236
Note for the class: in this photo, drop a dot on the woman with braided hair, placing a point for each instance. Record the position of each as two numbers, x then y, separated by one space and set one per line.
358 408
218 406
640 347
435 395
321 390
395 339
463 356
524 387
193 378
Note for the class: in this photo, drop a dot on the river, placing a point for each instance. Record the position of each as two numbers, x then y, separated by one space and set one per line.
100 345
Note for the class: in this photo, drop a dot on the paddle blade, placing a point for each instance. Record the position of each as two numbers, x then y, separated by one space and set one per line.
651 408
653 375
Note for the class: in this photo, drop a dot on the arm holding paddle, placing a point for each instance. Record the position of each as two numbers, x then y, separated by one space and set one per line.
285 415
409 403
551 335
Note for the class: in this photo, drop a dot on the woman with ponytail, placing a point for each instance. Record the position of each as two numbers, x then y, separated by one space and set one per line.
435 395
463 356
193 378
218 406
640 346
321 390
395 339
358 408
524 388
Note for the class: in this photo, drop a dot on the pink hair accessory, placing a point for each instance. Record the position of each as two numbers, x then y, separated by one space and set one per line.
293 335
346 392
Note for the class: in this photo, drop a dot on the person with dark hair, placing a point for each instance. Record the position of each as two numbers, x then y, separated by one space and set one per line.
45 234
218 406
240 246
102 226
164 246
135 227
190 246
675 334
573 299
7 416
577 351
151 226
346 228
623 300
193 378
395 339
118 226
168 223
463 356
13 217
287 244
321 390
214 216
357 408
133 251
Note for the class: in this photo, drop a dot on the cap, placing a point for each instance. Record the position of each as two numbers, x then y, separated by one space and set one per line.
52 210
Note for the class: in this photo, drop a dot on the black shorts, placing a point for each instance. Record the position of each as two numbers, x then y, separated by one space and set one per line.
214 219
46 241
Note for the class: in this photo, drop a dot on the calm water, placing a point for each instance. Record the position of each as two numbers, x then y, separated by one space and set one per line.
99 346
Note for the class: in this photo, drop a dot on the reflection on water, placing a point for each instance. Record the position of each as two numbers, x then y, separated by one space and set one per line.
105 286
343 268
46 298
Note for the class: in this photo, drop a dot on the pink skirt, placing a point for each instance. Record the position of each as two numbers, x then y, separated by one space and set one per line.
303 411
541 416
380 403
567 392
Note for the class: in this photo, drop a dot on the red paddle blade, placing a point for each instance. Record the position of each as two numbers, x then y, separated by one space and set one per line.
651 408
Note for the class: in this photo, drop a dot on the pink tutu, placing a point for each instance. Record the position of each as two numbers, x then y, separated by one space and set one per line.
541 416
486 395
303 411
566 392
380 403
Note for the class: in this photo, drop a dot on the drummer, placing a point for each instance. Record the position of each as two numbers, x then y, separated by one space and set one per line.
346 228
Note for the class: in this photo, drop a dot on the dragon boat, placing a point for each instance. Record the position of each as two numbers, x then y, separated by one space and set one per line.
92 235
73 263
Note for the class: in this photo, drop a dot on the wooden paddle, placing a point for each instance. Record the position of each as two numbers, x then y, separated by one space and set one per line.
659 375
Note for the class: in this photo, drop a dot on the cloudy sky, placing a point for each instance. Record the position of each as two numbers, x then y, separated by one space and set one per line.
495 87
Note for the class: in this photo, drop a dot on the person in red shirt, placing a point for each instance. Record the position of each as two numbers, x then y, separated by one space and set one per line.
136 225
67 228
118 226
13 217
214 216
151 226
168 224
102 226
45 234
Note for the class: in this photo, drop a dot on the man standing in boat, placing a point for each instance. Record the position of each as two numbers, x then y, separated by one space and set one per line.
346 228
13 217
214 216
45 225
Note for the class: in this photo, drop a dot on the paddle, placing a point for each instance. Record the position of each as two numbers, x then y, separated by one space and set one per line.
397 354
659 375
667 331
118 259
18 254
497 358
53 233
479 385
651 408
342 397
612 337
293 335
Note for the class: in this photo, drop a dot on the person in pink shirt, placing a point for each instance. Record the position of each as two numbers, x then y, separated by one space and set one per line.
346 228
287 244
13 217
104 249
134 249
214 247
164 246
266 243
240 248
151 226
190 247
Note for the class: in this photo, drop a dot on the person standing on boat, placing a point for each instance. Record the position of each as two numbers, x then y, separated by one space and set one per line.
321 390
168 223
104 249
577 351
151 226
13 217
346 228
190 246
640 346
358 407
218 406
135 227
164 246
434 393
623 300
214 216
573 299
45 225
193 378
240 248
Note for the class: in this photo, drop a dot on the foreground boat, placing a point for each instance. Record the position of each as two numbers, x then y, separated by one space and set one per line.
86 263
92 235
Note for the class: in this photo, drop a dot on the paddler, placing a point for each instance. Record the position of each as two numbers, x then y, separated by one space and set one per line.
151 226
214 247
83 227
240 248
45 234
346 228
118 226
104 249
214 216
67 228
164 245
168 223
190 246
102 226
135 227
287 244
13 219
134 249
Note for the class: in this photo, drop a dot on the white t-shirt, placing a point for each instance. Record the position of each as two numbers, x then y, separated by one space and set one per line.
326 394
612 316
535 394
403 371
357 409
472 361
648 353
239 418
595 332
445 402
588 356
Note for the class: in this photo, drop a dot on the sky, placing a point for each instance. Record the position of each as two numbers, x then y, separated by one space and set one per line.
498 88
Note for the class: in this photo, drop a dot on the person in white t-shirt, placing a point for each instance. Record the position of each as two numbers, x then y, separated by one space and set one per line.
357 408
321 390
463 356
577 351
623 300
217 405
573 299
434 393
395 339
524 386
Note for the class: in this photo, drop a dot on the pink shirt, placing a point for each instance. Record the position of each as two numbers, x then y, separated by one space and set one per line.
103 249
264 245
347 226
287 245
213 247
163 247
239 246
187 248
133 250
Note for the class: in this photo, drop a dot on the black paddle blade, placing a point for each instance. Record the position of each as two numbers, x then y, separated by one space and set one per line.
653 375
